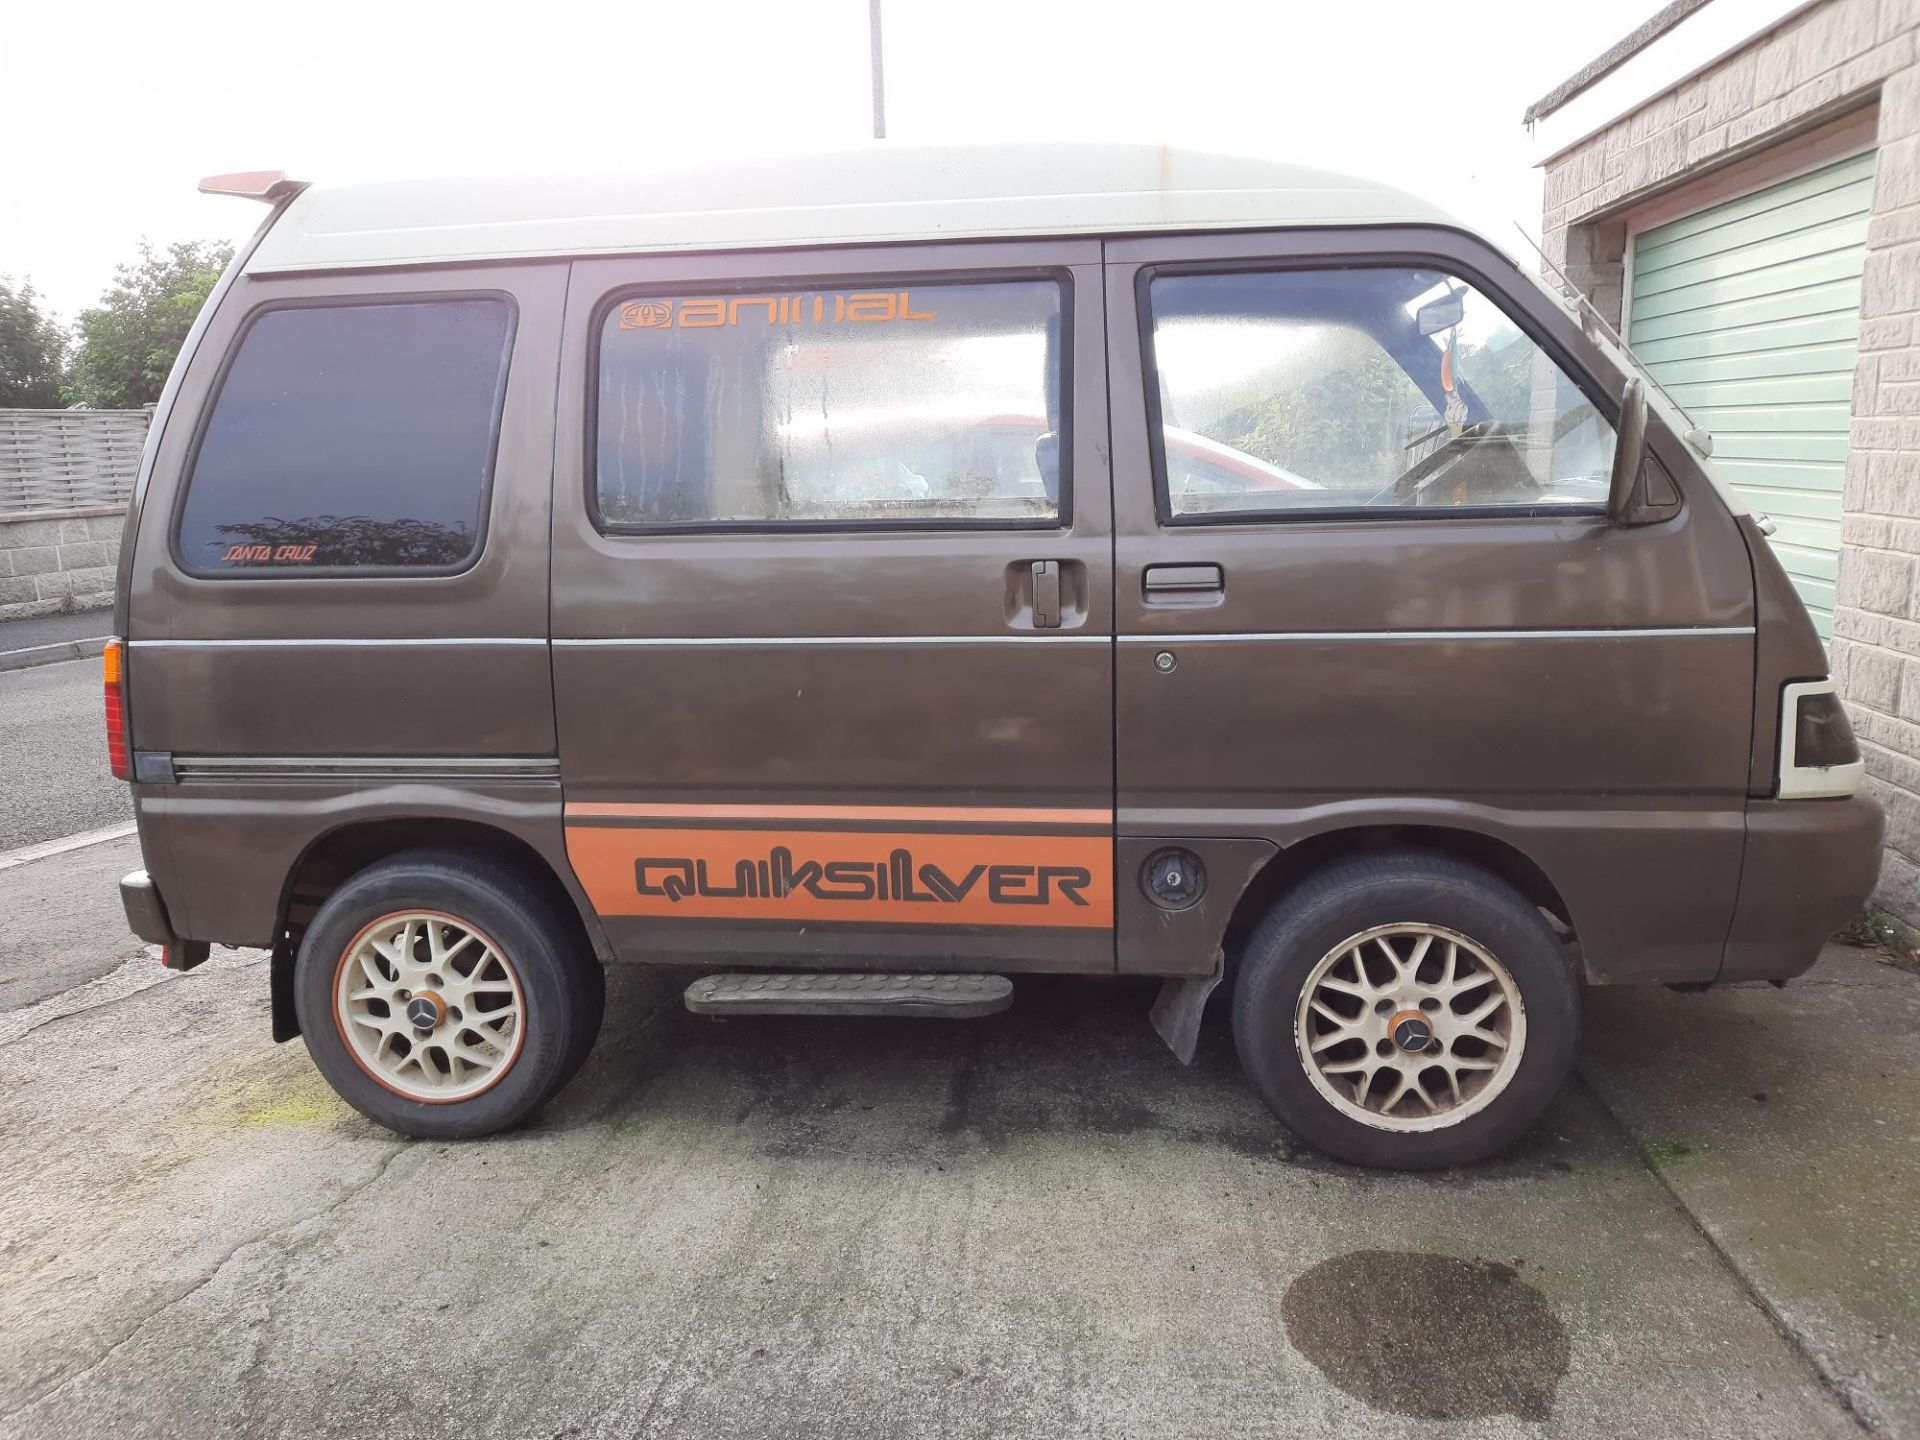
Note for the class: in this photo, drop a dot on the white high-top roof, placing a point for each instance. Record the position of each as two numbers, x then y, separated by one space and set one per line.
882 192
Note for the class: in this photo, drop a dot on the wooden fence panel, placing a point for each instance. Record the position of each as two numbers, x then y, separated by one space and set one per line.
62 459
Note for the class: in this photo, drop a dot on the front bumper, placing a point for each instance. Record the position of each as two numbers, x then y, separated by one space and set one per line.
1810 865
147 918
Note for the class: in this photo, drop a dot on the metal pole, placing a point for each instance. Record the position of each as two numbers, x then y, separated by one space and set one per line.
879 82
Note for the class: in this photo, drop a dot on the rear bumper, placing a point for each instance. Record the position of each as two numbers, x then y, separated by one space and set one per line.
147 918
146 912
1810 865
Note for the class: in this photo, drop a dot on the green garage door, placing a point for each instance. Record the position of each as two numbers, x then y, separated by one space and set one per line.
1749 313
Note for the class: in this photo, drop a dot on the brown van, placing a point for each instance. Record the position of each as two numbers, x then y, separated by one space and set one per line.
870 576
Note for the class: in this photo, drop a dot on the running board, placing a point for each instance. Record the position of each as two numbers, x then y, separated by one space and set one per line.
948 997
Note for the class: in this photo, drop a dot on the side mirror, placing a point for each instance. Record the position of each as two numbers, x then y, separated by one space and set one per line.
1629 450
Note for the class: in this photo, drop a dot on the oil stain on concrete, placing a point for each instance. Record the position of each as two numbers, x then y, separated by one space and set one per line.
1429 1336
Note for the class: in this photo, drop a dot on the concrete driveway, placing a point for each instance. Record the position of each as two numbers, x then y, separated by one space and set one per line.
1032 1225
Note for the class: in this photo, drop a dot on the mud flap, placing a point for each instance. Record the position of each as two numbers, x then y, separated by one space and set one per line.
286 1021
1178 1007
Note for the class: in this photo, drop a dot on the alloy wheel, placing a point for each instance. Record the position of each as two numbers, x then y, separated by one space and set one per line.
1410 1027
429 1007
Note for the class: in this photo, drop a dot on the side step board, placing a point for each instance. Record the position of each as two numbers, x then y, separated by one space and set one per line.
949 997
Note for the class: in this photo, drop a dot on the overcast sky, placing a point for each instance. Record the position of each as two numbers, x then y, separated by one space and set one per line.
112 111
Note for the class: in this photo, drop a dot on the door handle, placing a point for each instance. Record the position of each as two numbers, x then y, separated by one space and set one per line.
1046 594
1184 584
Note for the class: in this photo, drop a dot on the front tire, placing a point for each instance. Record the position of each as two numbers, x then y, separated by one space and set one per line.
1408 1010
445 997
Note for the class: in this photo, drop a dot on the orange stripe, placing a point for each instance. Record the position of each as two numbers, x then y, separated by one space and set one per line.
935 813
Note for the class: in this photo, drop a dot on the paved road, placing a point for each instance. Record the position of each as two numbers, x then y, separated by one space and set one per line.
53 755
60 923
1032 1225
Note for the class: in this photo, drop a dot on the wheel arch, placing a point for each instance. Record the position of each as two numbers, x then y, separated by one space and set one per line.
336 855
1313 852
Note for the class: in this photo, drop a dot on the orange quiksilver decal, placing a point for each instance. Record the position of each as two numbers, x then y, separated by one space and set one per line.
873 877
706 312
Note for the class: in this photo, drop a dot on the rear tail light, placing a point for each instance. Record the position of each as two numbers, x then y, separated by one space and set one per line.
1819 757
113 671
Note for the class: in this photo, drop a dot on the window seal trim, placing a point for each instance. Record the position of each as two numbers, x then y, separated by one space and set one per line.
1607 405
204 420
1062 523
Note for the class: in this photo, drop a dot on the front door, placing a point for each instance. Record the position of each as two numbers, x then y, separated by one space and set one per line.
832 609
1365 581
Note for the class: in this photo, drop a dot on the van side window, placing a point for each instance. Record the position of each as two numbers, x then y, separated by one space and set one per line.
1365 388
883 403
356 436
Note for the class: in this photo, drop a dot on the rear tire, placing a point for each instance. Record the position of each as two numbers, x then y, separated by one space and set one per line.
444 996
1407 1011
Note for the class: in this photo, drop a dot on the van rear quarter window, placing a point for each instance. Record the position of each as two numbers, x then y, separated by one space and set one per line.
353 436
885 402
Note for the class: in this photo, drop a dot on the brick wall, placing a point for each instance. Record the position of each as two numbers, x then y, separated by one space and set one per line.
58 560
1829 60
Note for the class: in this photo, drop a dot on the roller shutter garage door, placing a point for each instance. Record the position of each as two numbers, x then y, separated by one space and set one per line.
1749 313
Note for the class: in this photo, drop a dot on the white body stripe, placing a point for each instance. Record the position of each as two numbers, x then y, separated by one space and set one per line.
652 641
288 641
1207 637
1622 633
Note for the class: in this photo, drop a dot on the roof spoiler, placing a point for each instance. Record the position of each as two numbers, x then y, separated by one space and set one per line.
270 186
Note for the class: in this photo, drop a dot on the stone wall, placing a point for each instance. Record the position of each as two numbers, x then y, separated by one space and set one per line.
1827 61
54 561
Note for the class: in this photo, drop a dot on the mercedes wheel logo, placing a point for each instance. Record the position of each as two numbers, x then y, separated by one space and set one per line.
1413 1033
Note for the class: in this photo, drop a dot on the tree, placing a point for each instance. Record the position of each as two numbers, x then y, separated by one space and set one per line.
127 342
1344 422
33 350
1501 373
